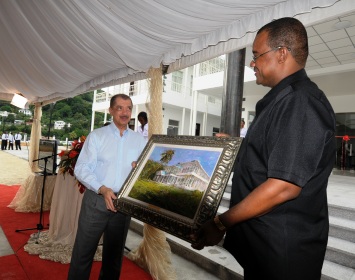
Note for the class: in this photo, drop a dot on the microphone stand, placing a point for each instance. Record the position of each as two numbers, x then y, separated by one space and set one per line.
40 226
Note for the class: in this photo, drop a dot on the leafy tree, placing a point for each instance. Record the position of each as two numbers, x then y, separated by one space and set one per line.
149 170
73 135
167 156
65 112
7 108
10 119
76 111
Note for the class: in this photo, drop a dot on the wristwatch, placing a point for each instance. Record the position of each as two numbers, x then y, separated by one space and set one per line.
219 224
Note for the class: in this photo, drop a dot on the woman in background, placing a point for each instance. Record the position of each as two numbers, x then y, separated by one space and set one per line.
143 128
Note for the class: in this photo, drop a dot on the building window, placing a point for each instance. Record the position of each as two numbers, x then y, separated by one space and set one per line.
173 128
132 89
215 130
177 78
212 66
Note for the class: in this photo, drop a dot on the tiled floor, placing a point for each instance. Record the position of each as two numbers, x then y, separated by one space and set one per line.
341 190
5 248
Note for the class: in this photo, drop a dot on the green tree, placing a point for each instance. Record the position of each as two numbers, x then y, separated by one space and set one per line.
167 156
10 119
65 111
7 108
73 135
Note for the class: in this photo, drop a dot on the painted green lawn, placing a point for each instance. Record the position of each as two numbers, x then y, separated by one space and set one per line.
176 200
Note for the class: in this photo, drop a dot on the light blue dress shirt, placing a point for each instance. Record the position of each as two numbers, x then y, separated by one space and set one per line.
106 157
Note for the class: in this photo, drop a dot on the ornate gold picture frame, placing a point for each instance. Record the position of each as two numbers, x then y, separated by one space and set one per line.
178 182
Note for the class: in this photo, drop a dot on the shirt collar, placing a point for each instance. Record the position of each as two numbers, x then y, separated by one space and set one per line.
272 94
116 131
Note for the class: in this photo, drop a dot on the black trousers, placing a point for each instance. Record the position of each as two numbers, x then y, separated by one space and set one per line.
18 144
3 144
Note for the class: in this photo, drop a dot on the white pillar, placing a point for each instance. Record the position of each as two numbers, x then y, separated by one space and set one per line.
193 115
181 132
92 120
93 112
105 116
136 123
204 120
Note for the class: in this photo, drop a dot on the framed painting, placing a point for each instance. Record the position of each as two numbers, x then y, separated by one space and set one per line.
178 182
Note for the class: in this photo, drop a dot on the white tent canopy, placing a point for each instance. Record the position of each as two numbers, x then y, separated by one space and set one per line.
51 50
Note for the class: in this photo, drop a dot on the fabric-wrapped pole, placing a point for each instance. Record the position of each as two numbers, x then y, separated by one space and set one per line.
35 137
154 253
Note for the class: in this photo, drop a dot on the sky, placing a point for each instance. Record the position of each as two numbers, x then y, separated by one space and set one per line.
207 156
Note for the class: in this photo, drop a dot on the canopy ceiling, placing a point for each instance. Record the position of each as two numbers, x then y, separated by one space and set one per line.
50 50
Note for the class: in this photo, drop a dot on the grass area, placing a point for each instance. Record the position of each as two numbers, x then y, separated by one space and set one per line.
170 198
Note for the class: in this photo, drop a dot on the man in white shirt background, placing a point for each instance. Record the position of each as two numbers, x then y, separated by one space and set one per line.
18 138
243 130
4 138
11 141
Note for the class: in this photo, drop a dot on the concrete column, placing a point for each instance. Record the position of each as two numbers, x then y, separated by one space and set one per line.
193 116
92 120
204 120
181 127
105 116
232 97
93 112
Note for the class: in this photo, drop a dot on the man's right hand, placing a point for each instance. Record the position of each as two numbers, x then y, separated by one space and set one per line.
221 135
108 195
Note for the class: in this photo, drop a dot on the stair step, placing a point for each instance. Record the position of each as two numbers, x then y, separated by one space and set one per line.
215 260
341 252
342 228
333 271
342 212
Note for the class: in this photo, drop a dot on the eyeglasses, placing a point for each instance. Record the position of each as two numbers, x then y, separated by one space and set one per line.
255 57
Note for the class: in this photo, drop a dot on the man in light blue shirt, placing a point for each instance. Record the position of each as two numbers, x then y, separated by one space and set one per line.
104 163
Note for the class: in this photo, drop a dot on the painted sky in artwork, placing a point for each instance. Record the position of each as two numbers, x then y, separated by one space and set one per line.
208 159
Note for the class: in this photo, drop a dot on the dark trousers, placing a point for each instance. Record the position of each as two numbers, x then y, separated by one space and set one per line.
11 146
18 144
95 220
3 144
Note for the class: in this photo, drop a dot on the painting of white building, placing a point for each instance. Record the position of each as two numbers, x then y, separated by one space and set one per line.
188 176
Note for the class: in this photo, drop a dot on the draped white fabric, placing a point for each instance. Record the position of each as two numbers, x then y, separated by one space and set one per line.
58 49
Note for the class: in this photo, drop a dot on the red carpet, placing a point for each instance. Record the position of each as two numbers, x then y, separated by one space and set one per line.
22 266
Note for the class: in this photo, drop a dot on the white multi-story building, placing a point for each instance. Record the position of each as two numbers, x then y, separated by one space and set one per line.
183 105
192 99
27 112
59 124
